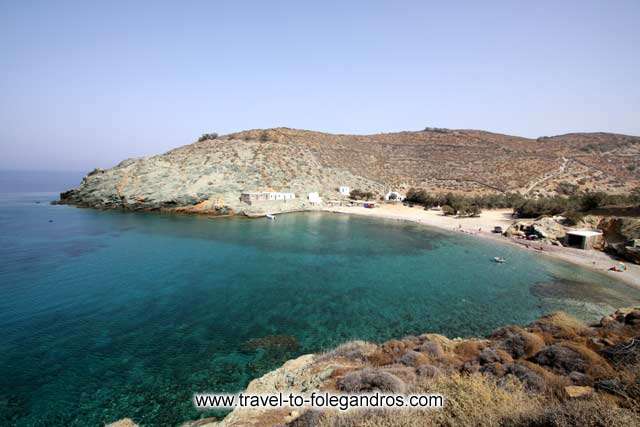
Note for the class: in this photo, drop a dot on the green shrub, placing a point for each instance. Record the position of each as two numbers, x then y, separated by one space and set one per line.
448 210
361 195
208 136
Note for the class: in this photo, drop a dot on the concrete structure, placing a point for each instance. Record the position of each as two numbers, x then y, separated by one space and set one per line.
394 195
265 196
583 239
344 190
314 198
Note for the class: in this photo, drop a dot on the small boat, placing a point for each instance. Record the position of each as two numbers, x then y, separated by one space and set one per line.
269 216
499 260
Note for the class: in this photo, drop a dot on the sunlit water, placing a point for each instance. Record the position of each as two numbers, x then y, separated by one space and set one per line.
105 315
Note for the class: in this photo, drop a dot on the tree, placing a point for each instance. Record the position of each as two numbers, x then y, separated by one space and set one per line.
207 136
448 210
592 201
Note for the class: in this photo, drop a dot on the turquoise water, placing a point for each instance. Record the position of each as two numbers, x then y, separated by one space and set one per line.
105 315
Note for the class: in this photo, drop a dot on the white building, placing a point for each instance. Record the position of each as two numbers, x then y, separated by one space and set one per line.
344 190
314 198
266 196
394 195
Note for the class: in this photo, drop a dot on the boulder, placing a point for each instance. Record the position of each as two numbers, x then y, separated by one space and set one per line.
545 228
548 228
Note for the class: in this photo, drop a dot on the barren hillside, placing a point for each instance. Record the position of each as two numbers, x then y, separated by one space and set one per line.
210 175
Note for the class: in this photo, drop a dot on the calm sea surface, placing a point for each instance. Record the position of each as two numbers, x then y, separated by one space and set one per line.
105 315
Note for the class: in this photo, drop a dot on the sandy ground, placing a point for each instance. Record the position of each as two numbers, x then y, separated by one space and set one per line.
483 225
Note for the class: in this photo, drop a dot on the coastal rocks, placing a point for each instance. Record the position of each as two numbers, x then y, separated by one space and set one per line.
552 360
544 228
621 235
548 228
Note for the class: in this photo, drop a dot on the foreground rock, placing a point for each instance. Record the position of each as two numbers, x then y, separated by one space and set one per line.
556 371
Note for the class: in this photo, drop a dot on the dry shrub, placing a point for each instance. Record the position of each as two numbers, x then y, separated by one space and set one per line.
474 400
428 371
445 343
469 350
405 373
596 366
518 342
595 411
388 353
560 325
380 358
351 350
432 349
414 358
624 354
368 380
567 357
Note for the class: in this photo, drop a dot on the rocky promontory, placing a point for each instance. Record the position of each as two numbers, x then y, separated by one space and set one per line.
209 175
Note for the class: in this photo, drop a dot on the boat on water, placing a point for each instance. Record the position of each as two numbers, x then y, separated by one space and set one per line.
270 216
499 260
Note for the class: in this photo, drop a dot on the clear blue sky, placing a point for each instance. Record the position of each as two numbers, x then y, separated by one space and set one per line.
86 84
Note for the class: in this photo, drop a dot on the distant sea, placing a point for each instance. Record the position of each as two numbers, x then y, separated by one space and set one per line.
105 315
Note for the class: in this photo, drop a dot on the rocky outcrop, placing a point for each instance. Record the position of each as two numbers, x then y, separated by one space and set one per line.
555 360
546 229
208 176
621 236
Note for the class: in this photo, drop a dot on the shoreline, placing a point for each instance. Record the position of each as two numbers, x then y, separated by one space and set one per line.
481 227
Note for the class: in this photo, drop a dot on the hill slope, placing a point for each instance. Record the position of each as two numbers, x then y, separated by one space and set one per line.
209 175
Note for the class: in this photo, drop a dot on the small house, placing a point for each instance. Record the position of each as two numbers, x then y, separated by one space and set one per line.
583 239
265 196
344 190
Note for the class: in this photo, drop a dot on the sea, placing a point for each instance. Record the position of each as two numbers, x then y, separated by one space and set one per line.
109 314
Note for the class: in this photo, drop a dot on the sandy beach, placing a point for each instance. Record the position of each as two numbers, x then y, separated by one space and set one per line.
482 227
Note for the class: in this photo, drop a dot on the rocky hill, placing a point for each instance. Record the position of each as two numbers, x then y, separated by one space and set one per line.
209 175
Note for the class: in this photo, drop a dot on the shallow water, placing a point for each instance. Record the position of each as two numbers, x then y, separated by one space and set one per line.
105 315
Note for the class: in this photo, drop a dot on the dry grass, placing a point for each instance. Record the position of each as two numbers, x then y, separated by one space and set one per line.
516 377
474 400
352 350
560 326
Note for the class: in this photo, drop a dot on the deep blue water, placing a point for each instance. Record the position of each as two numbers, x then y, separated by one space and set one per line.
105 315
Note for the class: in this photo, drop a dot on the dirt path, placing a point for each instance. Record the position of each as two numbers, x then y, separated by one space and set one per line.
548 176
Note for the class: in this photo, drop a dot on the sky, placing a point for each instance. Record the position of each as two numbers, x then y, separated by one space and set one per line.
88 84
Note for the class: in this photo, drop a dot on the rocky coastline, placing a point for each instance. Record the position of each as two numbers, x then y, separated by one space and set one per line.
555 371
